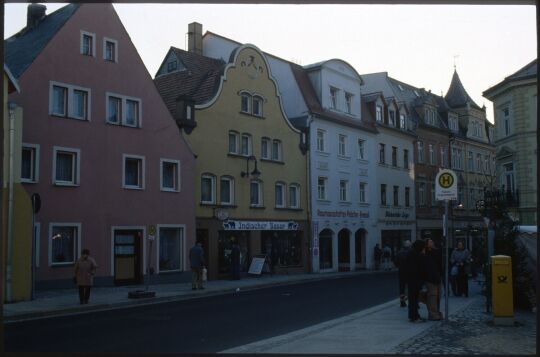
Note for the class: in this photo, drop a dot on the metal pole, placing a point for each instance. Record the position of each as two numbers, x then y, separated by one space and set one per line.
446 239
33 252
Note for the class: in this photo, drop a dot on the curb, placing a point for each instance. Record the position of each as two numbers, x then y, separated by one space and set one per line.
78 310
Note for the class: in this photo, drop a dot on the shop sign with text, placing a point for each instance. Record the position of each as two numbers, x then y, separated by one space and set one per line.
233 225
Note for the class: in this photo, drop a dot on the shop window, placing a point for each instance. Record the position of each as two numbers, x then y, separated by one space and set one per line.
64 243
285 247
170 248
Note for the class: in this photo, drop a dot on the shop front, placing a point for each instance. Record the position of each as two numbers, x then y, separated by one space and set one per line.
396 226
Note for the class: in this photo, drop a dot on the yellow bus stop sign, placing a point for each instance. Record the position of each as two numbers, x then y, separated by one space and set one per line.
446 185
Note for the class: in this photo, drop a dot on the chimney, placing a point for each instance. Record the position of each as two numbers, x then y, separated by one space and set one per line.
195 38
35 13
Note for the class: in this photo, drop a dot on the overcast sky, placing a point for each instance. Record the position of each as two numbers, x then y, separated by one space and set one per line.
413 43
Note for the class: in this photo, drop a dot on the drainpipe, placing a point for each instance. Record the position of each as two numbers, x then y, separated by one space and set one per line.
308 193
9 260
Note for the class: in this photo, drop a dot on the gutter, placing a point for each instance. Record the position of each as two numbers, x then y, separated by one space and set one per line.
9 260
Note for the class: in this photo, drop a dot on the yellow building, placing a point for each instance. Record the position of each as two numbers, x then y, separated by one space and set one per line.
17 207
251 168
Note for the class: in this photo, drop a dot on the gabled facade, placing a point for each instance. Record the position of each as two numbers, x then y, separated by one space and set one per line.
251 171
101 149
515 111
324 101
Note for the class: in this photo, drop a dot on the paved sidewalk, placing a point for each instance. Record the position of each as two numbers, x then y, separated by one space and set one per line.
61 302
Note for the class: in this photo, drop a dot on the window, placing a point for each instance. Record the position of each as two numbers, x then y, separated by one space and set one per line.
280 195
170 175
422 194
361 149
381 154
453 123
420 152
257 106
265 148
64 243
405 159
470 161
123 110
320 140
508 177
348 102
208 188
172 66
506 120
472 198
378 113
226 190
171 242
69 101
487 168
392 117
321 188
402 121
432 159
246 145
478 163
333 97
294 196
407 196
444 157
429 116
396 195
342 145
457 159
383 194
30 163
233 142
255 196
362 190
343 194
276 150
66 166
110 50
433 200
88 46
245 103
133 174
394 156
460 195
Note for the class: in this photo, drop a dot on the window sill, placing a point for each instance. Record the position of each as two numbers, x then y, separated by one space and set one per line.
273 161
344 203
172 190
170 271
363 204
29 181
257 207
68 117
133 188
66 184
207 204
62 265
252 115
322 153
227 205
238 156
344 158
364 161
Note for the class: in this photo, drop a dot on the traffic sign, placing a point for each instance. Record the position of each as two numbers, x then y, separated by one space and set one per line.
446 185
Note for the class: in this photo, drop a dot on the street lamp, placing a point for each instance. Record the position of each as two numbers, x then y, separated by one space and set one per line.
255 173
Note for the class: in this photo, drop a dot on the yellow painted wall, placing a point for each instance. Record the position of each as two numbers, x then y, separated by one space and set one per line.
210 138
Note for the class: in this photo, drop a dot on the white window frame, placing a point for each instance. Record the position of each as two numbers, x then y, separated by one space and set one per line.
115 42
279 156
236 142
93 35
344 191
444 159
348 102
268 154
432 154
362 189
322 189
420 147
361 149
213 188
178 176
385 201
283 194
378 113
342 145
35 162
391 118
107 107
76 245
138 123
402 121
321 140
248 98
334 94
297 195
182 245
249 145
259 193
382 153
69 105
76 167
479 162
143 171
231 190
394 156
260 100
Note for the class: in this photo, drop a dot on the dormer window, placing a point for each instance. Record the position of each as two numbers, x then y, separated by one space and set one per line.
251 104
172 66
378 113
348 102
333 97
392 117
402 121
453 123
429 116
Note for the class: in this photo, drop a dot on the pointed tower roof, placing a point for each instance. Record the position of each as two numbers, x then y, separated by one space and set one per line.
457 96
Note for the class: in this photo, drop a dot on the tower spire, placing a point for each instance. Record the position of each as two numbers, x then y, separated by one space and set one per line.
455 56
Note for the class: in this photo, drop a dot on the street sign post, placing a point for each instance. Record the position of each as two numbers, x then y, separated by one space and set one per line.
446 190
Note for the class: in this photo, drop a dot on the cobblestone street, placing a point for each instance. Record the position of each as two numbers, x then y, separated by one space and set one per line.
471 331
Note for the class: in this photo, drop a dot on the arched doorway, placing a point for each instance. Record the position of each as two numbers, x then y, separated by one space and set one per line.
344 250
325 249
360 248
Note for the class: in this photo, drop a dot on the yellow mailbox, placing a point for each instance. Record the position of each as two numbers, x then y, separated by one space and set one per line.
502 295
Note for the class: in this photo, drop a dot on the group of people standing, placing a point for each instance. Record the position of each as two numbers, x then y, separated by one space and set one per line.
421 273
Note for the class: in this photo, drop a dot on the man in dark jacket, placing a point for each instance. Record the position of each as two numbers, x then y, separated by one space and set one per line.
399 262
196 258
415 267
433 267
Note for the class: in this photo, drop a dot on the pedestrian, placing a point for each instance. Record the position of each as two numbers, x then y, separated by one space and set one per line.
197 262
377 254
461 258
387 255
85 269
235 260
433 267
399 261
415 267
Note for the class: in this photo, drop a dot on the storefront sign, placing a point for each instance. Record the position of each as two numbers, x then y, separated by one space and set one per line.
396 214
232 225
347 213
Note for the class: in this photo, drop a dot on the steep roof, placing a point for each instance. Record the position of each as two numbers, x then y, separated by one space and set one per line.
457 96
21 49
199 80
528 71
314 106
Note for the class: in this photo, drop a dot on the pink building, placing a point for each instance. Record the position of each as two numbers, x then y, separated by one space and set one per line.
101 149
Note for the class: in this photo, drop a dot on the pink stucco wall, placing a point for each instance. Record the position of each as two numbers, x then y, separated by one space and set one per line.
100 202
